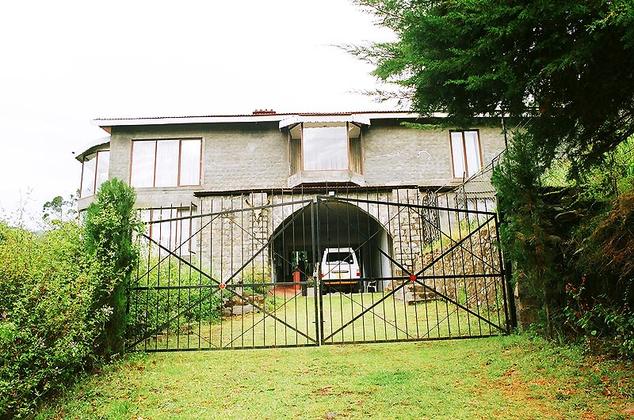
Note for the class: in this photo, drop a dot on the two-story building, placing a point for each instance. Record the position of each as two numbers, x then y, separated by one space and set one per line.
274 163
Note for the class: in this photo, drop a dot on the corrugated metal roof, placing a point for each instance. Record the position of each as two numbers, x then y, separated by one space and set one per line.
281 114
257 116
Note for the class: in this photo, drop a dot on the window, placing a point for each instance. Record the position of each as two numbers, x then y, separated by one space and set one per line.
465 153
165 163
338 257
325 147
94 172
178 232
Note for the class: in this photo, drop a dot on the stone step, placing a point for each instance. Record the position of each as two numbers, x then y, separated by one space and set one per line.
417 297
420 300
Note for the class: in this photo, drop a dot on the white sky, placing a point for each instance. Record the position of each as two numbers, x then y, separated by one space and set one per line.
64 63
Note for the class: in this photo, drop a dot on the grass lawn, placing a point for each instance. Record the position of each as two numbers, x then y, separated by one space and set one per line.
498 377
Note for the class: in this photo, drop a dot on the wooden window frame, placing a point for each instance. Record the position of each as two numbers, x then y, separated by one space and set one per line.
180 149
464 152
348 150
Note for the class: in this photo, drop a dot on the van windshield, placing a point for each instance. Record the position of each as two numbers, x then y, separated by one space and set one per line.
340 257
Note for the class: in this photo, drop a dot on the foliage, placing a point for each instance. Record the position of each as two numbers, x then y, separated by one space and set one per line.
256 278
613 175
48 328
607 245
109 224
571 245
606 328
525 232
537 59
56 300
563 72
601 297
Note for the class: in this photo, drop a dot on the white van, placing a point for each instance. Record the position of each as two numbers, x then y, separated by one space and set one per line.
340 269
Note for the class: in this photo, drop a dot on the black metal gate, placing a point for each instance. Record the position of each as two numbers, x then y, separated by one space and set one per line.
278 270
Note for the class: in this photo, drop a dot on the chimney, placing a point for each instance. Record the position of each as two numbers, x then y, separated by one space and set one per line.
264 112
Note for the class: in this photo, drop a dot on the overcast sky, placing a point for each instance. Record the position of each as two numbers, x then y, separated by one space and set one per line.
64 63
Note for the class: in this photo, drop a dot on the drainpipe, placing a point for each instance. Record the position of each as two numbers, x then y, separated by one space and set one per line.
506 142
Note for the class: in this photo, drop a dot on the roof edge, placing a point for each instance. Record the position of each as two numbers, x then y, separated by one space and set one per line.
94 148
106 123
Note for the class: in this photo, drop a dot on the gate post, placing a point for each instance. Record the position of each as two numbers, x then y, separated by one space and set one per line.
509 297
314 229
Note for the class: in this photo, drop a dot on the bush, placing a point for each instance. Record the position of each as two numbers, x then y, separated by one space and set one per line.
48 327
110 222
606 245
570 239
58 294
526 231
600 302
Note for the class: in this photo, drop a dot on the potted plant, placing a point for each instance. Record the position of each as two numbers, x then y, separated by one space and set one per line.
308 288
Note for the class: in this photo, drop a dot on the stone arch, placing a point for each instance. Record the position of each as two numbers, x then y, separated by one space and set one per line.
304 234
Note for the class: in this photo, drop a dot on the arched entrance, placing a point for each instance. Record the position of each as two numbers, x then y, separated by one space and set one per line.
302 238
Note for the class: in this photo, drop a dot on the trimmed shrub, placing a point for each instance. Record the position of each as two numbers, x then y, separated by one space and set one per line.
110 222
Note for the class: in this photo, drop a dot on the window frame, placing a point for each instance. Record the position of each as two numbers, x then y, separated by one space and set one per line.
180 154
94 178
361 151
464 152
302 153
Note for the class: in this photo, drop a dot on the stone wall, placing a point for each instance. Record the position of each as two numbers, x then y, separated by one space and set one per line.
241 225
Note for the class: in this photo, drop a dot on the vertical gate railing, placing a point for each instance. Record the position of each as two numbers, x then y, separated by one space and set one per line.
442 277
205 279
277 270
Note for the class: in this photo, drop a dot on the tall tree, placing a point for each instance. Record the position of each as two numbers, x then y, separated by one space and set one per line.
59 208
565 67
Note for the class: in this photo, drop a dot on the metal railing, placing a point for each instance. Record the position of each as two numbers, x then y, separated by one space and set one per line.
283 269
